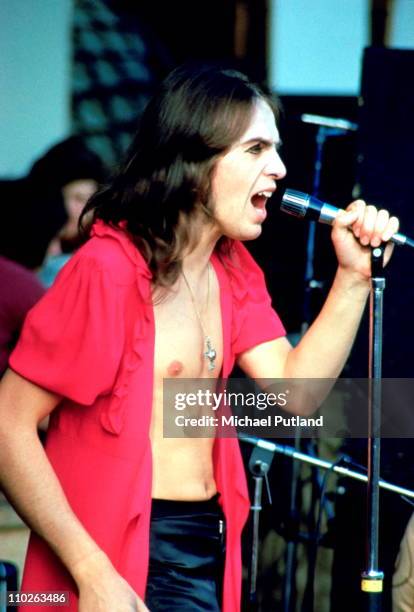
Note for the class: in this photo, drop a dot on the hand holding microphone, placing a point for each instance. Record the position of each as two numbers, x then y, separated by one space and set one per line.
305 206
354 229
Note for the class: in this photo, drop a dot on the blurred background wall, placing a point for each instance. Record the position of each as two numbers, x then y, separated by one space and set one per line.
304 47
35 79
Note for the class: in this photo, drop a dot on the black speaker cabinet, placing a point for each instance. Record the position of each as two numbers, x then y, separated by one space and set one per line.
385 176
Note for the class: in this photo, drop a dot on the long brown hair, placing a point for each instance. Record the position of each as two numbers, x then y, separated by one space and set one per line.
195 117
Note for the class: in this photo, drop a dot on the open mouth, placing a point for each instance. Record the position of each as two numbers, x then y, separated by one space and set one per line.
259 199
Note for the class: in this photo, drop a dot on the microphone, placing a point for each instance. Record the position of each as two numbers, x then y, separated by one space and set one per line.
305 206
343 125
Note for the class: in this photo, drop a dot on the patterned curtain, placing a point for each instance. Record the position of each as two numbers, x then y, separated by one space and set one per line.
117 61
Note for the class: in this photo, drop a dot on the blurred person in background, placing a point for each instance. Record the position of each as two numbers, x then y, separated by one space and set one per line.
76 173
403 577
20 289
39 210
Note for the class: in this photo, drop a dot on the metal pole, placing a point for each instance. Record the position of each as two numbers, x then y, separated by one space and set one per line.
372 577
259 465
256 508
289 451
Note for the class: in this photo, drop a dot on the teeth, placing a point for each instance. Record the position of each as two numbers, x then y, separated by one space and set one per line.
266 194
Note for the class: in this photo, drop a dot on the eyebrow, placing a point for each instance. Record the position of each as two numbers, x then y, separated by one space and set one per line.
264 141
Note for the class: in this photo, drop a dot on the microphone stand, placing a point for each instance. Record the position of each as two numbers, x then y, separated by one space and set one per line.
372 577
311 284
259 465
290 451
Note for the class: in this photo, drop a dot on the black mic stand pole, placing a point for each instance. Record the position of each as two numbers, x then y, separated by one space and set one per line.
259 465
372 577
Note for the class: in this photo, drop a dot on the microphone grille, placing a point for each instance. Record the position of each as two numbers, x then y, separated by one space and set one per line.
295 203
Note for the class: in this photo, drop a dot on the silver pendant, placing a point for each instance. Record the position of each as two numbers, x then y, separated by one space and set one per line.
210 355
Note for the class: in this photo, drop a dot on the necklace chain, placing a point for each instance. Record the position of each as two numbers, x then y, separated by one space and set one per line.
210 353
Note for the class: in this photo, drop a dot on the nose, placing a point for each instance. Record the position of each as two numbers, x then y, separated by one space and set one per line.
276 168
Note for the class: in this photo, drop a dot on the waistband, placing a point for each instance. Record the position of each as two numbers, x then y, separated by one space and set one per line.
168 507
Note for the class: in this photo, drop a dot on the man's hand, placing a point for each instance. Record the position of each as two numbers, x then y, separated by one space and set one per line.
102 589
357 229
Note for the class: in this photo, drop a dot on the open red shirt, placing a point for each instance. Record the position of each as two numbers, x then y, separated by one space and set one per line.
91 340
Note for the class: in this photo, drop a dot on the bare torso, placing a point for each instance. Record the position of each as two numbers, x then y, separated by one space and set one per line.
182 467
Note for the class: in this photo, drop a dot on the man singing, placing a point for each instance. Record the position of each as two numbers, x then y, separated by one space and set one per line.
163 288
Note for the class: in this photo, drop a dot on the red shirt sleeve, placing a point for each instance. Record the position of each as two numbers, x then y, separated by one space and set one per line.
254 319
72 340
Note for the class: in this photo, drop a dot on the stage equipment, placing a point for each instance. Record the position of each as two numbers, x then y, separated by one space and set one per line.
385 178
372 577
259 465
301 205
260 462
327 127
337 467
342 125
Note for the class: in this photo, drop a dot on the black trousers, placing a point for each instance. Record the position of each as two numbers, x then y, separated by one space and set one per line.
186 556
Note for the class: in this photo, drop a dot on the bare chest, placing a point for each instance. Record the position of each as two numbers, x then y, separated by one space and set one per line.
182 465
182 341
